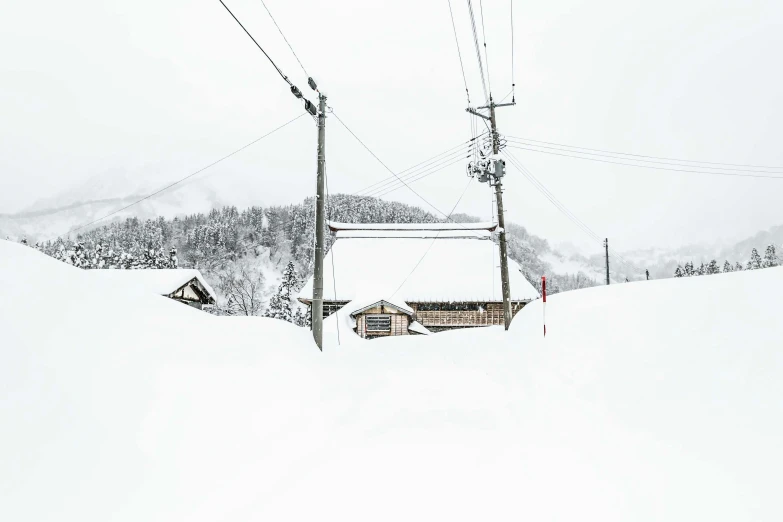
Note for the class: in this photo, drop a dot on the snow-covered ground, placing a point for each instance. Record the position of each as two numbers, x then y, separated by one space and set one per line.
655 400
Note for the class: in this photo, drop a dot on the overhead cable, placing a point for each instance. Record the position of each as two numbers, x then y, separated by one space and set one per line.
749 174
562 208
673 161
148 196
484 38
432 243
280 72
478 51
284 38
387 168
462 67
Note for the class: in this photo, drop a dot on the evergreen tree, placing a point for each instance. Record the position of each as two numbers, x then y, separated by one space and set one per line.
280 305
727 267
755 260
738 267
679 272
688 270
770 257
713 267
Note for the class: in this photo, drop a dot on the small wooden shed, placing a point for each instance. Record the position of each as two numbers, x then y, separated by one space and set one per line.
382 318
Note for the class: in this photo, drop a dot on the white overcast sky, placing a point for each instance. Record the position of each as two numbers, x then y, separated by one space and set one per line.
156 90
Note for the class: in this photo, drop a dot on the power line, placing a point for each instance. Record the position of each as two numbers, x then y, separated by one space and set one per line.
442 155
457 156
464 79
562 208
735 174
284 38
183 179
478 50
387 168
423 175
484 38
675 160
280 72
617 155
433 240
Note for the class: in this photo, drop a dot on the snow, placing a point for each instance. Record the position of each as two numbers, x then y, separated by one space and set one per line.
158 282
361 304
646 401
417 327
418 270
441 234
486 226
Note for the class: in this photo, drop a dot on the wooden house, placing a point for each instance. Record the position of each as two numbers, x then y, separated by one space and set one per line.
187 286
384 318
446 275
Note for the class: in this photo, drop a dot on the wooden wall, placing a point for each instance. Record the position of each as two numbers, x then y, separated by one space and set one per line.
399 324
492 314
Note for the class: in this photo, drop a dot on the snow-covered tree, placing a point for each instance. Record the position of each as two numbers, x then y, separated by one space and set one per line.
755 260
679 272
713 267
770 257
727 267
688 271
281 305
738 267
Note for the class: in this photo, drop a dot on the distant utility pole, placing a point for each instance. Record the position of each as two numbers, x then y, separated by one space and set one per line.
318 276
492 171
606 247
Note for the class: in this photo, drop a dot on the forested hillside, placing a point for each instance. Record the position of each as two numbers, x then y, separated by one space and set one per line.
242 251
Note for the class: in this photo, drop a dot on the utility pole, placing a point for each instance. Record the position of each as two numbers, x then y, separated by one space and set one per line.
318 277
606 247
492 171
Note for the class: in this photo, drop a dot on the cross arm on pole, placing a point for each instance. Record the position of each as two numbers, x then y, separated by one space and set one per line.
477 113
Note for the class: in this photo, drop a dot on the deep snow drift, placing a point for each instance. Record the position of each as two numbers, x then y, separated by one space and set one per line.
647 401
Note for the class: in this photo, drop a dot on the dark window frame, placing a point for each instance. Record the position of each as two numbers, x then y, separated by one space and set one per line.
386 318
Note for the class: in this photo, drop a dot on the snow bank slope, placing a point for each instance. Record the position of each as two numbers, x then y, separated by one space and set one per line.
143 409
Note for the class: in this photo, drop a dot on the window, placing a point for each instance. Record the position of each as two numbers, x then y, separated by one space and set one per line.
378 323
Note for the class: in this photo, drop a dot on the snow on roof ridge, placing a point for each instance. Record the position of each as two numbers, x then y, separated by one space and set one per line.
161 280
413 234
335 226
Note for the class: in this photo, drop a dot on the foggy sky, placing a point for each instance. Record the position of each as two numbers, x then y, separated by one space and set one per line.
156 90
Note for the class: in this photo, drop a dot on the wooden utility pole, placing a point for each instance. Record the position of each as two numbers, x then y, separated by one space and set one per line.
318 273
494 177
606 247
501 224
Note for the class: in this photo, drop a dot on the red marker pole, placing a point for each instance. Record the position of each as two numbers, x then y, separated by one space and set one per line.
543 291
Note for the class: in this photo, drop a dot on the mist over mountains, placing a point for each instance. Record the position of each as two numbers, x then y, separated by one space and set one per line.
53 217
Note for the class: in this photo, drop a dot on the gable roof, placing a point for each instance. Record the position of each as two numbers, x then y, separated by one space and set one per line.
358 306
161 281
417 269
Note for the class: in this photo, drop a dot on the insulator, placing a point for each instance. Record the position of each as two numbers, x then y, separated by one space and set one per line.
312 84
309 107
296 91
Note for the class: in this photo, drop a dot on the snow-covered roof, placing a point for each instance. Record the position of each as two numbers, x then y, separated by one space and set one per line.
359 305
160 281
415 269
418 328
441 234
335 226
